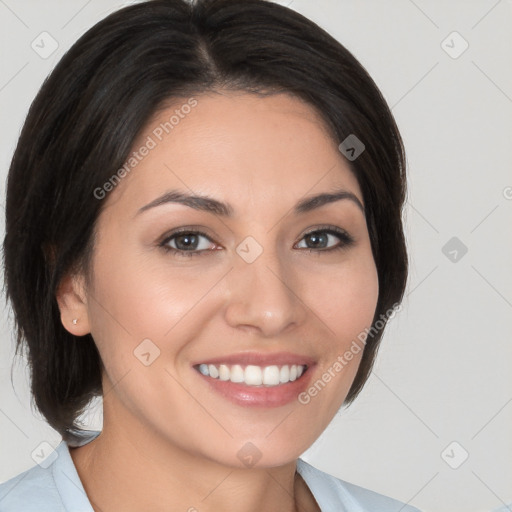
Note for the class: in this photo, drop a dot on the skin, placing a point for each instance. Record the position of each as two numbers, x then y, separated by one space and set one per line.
168 441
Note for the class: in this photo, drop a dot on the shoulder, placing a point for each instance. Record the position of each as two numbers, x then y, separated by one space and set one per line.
33 490
504 508
332 494
51 486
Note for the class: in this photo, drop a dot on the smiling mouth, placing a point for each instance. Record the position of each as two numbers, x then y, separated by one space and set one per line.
252 375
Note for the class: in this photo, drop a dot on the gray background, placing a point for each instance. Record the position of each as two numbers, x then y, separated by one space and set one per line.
443 373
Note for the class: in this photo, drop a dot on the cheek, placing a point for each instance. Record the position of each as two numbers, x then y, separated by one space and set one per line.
139 297
346 298
347 307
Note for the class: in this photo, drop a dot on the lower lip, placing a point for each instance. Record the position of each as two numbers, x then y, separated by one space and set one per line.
259 396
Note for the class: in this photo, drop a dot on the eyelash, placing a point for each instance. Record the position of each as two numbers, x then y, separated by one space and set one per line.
346 241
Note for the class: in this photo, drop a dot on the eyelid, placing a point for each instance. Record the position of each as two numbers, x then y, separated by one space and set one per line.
329 227
186 229
323 227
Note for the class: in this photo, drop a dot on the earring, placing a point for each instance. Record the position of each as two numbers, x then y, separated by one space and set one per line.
75 320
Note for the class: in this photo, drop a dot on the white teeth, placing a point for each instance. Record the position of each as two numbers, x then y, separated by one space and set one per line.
223 372
271 376
237 374
213 371
253 375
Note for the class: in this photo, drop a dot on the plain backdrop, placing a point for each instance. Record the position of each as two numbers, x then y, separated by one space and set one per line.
432 426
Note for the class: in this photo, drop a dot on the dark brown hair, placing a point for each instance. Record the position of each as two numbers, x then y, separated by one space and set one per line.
81 126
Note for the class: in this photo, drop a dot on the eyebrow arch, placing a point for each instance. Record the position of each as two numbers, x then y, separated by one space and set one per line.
210 205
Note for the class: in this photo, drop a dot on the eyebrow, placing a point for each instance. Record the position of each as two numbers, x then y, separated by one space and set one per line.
210 205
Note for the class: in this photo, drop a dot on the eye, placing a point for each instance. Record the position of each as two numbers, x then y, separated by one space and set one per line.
319 239
187 242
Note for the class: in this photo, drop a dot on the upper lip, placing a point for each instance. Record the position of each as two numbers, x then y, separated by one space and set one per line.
259 359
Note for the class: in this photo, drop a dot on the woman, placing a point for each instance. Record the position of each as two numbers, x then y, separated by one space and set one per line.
203 226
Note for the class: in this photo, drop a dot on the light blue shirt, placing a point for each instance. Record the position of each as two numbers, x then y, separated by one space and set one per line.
54 486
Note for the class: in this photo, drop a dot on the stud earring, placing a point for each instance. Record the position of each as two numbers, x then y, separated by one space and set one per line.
75 320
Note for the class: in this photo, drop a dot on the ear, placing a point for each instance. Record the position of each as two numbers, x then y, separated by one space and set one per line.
72 299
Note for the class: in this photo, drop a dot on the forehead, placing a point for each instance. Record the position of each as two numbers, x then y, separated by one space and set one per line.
239 147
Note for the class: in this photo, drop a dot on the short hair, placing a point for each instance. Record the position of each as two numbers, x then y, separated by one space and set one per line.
83 122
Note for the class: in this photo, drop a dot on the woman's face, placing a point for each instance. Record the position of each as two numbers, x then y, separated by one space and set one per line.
257 291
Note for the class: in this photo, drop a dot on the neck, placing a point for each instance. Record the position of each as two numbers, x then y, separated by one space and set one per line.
130 469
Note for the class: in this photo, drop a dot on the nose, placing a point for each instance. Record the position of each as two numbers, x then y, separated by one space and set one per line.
263 296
